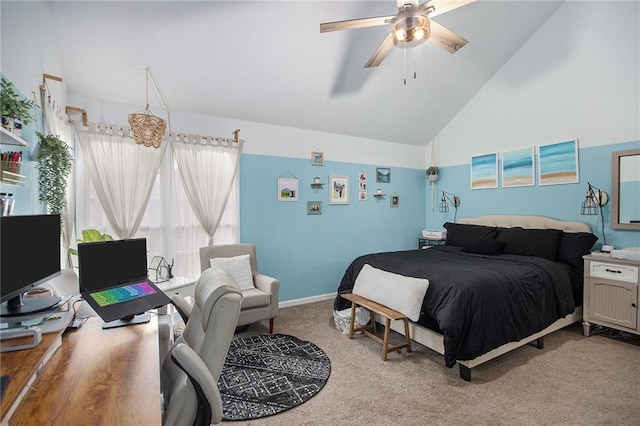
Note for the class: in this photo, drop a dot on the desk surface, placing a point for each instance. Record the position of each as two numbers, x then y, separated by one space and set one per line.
108 377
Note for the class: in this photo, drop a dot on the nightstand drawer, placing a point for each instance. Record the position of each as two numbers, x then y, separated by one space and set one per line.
614 271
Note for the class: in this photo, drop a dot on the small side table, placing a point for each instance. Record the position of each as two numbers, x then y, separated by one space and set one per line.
181 286
424 242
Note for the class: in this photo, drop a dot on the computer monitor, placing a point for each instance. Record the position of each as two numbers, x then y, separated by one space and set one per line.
30 248
113 280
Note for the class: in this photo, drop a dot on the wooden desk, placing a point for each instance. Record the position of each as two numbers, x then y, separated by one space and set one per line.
106 377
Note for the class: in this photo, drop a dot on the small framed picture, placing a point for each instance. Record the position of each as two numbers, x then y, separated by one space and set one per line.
394 200
317 158
362 195
383 175
314 207
338 189
287 189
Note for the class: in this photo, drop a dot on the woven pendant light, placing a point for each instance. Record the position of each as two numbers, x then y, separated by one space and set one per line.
147 129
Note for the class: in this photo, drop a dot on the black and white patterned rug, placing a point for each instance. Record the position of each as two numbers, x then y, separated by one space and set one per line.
267 374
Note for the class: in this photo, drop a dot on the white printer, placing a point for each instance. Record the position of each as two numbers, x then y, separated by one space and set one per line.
436 234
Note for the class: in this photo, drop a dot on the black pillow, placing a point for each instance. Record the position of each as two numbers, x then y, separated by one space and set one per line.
573 246
463 235
531 242
488 247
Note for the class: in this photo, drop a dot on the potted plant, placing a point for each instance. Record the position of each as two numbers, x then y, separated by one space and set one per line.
91 236
432 173
54 162
16 110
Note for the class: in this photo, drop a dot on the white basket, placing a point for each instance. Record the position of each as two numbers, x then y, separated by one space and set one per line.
630 253
343 318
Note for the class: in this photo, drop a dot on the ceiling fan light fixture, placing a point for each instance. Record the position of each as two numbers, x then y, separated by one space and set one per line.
411 30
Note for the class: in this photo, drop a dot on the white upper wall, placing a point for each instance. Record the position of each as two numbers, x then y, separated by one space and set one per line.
577 77
267 139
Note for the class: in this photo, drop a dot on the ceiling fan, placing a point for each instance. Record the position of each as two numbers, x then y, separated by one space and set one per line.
412 26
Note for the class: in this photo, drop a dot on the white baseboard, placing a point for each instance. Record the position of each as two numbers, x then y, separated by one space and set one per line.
306 300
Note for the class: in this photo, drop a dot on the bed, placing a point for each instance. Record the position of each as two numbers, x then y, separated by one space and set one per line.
499 282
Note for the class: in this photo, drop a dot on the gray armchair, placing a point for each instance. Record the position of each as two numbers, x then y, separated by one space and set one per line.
191 369
259 303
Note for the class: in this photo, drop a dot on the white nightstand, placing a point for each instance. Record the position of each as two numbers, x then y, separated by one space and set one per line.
610 293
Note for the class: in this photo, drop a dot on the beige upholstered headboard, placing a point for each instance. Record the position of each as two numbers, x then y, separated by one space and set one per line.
524 221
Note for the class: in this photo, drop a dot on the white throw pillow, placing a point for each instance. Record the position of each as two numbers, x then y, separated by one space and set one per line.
238 266
400 293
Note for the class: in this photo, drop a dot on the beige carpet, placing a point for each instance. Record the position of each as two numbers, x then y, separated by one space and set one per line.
574 380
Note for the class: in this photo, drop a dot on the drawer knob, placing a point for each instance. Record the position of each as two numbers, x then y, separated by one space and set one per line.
613 270
633 305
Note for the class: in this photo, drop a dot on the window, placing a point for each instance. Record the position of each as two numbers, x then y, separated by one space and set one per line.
169 224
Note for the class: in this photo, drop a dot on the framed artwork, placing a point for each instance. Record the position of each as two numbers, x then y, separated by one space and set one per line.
317 158
338 189
314 207
558 163
394 201
362 186
287 189
383 174
517 168
484 171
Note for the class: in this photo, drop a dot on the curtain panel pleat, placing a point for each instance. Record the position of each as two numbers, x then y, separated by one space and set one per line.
207 169
122 173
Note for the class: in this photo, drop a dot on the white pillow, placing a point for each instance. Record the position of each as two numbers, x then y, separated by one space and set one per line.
238 266
400 293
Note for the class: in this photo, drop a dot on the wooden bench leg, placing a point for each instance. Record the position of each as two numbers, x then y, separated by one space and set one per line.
406 334
385 342
353 319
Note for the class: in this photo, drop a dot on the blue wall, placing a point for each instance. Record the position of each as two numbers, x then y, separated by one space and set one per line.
556 201
309 253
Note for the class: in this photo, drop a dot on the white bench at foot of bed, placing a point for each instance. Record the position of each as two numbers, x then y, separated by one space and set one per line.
434 341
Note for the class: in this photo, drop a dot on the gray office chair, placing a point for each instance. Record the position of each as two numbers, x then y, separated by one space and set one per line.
191 369
259 303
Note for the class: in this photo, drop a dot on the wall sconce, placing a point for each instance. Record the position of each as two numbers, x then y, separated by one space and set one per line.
592 206
445 200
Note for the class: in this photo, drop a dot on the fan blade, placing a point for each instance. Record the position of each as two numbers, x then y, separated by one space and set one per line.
355 23
380 52
442 6
403 3
445 38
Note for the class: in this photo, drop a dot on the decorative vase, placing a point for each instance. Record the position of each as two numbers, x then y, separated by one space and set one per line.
433 178
7 123
17 128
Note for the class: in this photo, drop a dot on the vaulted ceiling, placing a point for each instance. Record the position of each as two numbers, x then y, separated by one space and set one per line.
266 61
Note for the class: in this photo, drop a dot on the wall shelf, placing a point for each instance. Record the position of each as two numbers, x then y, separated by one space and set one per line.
8 178
9 138
379 196
316 186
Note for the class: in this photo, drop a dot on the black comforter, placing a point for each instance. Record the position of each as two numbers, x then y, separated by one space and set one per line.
477 302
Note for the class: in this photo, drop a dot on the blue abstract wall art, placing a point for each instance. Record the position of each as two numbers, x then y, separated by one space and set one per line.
484 171
558 163
517 168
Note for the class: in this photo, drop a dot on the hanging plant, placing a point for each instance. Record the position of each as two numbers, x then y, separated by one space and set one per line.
54 162
432 173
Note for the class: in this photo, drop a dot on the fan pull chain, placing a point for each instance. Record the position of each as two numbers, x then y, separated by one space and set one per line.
404 60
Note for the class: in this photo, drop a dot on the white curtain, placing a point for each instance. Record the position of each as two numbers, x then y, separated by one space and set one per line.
122 172
56 122
207 168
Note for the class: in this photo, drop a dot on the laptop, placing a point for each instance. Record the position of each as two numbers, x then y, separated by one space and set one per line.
113 280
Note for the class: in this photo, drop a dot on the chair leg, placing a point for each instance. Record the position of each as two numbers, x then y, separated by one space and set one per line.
270 325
